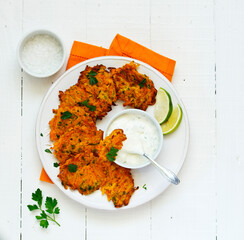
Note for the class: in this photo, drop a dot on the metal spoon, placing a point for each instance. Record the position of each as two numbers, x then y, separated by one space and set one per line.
168 174
164 171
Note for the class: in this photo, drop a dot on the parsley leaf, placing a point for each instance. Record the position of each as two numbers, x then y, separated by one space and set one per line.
72 167
32 207
93 80
57 210
144 186
56 164
90 107
37 196
44 223
142 83
66 115
48 151
91 75
112 154
50 205
41 134
43 214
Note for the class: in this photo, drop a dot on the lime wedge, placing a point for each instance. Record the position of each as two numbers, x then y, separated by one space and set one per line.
163 106
173 122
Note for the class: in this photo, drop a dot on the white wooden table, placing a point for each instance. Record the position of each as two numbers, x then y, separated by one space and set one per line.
206 38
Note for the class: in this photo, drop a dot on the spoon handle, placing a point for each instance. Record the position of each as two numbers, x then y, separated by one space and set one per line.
164 171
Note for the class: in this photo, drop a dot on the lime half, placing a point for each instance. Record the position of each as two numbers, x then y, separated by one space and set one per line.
173 122
163 106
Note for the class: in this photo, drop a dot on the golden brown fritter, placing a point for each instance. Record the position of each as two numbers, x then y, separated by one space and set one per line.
95 91
119 183
67 117
81 173
77 140
97 81
77 96
134 88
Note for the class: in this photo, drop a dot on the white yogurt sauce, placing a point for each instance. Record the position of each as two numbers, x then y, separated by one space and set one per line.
142 137
42 54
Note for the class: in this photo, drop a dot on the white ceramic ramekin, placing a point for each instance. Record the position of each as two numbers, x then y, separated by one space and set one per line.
21 45
155 123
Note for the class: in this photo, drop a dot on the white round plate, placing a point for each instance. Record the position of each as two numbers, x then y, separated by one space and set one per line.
172 155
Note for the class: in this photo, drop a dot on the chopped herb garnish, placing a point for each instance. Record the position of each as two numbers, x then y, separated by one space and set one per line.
91 75
50 205
144 186
112 154
72 167
56 164
93 80
66 115
142 83
41 135
90 107
48 151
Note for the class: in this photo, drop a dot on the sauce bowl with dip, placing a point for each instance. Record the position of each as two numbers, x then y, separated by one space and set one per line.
144 141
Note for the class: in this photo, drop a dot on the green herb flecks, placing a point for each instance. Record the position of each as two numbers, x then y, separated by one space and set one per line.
72 168
66 115
92 79
56 164
41 134
90 107
112 154
142 83
144 186
48 151
51 208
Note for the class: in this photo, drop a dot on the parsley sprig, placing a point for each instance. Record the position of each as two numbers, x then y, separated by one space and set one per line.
112 154
92 79
51 208
90 107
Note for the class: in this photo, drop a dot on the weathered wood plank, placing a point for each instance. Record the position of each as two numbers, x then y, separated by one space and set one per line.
10 127
230 118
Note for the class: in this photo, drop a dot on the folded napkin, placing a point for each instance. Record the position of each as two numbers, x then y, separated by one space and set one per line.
121 46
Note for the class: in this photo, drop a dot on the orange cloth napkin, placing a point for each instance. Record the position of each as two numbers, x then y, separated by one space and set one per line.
121 46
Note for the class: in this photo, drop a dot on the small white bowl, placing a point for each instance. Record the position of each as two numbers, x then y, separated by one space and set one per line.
21 46
155 123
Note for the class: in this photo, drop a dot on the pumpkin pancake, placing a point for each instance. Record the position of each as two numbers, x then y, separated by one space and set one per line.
77 140
134 88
